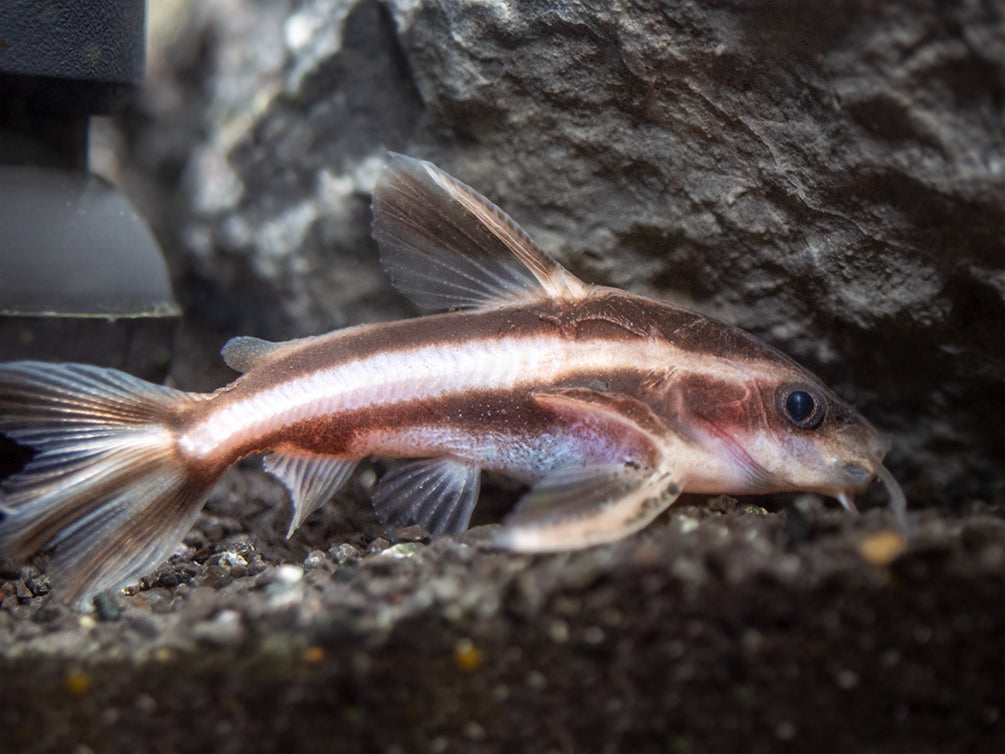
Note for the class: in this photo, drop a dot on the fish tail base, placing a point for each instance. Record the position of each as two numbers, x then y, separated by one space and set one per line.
106 489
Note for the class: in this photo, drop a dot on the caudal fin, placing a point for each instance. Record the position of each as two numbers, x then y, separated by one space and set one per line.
106 489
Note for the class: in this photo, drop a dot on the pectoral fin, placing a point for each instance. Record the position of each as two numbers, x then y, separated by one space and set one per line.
578 507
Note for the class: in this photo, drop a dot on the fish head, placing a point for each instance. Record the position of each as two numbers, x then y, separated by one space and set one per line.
814 441
782 430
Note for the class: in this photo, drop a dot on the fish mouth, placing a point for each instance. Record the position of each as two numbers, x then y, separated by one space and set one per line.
858 478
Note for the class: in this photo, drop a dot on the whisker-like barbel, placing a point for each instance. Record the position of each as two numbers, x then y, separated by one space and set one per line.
898 502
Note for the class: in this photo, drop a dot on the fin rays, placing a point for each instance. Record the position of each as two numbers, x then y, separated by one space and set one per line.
311 479
580 507
105 490
439 494
445 246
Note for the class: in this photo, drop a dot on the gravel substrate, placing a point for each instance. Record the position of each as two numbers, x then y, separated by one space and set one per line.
721 628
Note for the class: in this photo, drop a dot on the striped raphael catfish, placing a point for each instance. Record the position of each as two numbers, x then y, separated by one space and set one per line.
608 405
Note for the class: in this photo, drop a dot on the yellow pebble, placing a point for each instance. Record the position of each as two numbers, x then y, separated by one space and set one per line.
883 547
314 654
467 656
78 682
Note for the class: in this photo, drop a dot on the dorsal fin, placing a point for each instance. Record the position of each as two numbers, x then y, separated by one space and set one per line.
245 352
445 246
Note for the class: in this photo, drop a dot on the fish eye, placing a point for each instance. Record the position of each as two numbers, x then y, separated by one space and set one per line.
803 406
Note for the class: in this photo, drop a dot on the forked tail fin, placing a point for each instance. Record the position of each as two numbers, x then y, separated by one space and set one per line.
106 490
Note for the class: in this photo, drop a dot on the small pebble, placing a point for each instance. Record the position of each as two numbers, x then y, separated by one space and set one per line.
467 657
146 704
315 559
799 518
401 550
38 585
749 509
106 607
283 585
144 625
166 579
224 628
474 731
46 614
22 592
77 681
217 577
230 560
314 654
344 553
883 547
286 574
722 504
378 545
255 565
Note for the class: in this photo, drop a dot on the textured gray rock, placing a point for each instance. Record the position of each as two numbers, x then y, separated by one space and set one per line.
829 176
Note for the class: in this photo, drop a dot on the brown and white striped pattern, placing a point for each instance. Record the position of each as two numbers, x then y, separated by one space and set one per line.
424 387
609 404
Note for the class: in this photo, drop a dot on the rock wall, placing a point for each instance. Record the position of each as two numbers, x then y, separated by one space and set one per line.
828 175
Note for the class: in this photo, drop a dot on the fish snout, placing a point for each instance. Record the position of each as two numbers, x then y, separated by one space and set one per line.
879 446
856 477
853 477
856 470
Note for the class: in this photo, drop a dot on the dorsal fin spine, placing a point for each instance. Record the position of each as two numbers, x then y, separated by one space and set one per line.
555 279
446 246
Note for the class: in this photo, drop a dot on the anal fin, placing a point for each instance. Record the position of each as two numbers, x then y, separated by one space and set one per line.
439 494
578 507
312 479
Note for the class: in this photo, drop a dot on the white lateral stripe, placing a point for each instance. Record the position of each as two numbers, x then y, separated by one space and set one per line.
434 370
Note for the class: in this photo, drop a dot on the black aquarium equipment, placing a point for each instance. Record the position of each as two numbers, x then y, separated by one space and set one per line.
81 276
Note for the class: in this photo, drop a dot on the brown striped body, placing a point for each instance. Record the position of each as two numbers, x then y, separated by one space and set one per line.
609 405
659 354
